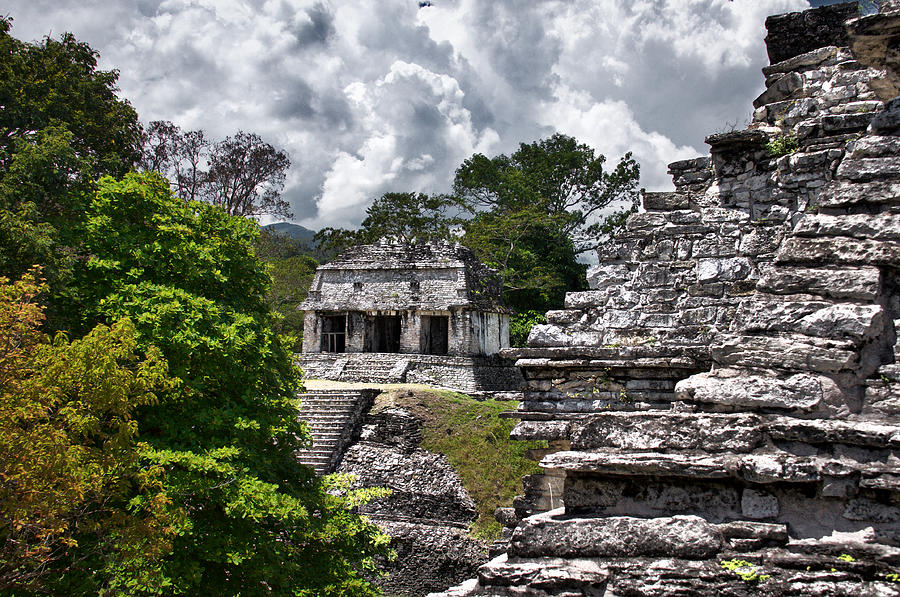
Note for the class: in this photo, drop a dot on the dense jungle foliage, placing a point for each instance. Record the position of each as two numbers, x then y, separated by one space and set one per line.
147 406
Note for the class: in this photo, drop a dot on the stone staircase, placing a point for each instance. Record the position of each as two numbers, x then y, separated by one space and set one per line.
334 418
375 368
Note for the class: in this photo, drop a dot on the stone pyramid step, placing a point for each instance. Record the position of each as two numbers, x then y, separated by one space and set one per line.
332 418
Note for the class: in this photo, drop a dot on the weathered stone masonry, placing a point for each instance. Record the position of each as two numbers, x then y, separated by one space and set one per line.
729 390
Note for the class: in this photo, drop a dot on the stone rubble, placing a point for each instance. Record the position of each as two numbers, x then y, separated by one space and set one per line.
722 407
428 513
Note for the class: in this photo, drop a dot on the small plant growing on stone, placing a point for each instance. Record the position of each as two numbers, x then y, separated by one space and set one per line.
846 557
782 145
892 577
746 571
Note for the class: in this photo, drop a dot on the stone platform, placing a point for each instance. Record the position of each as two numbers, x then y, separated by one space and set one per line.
470 375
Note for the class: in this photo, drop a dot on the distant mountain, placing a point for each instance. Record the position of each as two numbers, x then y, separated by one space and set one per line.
293 231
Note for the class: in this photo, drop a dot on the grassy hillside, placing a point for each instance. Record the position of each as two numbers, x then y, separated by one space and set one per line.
476 441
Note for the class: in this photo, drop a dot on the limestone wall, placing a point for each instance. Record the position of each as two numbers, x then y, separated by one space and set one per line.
723 405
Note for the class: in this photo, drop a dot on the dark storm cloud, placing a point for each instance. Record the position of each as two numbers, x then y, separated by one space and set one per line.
521 51
318 28
295 100
394 35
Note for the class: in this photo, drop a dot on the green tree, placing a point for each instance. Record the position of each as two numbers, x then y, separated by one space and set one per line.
409 216
61 126
291 268
69 456
535 260
536 210
258 522
57 83
560 177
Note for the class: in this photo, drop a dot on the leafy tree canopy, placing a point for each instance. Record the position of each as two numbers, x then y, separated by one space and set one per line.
558 176
536 262
408 216
172 412
186 275
57 83
69 456
61 126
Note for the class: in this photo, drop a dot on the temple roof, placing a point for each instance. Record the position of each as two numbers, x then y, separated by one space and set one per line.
402 275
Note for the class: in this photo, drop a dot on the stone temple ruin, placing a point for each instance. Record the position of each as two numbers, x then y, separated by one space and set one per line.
722 407
399 311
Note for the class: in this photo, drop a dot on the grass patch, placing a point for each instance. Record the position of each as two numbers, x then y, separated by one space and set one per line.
476 441
782 145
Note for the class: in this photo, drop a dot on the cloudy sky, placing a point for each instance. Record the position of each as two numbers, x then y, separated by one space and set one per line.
388 95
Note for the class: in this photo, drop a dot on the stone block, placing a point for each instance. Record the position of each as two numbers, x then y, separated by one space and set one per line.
812 318
700 163
803 61
604 276
782 88
761 241
871 511
829 432
875 146
541 577
653 432
586 299
883 481
838 250
860 283
645 464
548 335
758 505
846 193
722 270
733 387
647 221
782 467
744 529
791 351
868 169
540 430
506 517
563 316
838 487
871 226
666 201
616 536
859 322
608 495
